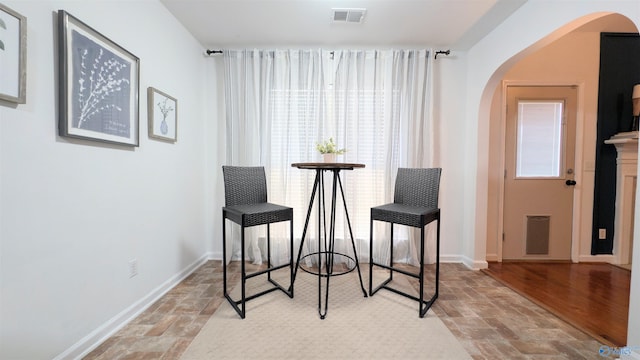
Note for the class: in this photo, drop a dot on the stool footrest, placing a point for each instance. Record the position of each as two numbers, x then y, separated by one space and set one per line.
258 273
413 275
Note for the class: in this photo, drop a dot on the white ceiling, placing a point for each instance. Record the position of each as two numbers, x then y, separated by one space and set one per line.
442 24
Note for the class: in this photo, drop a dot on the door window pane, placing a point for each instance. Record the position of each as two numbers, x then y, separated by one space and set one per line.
539 139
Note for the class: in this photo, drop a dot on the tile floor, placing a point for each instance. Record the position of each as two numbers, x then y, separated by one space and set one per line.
490 320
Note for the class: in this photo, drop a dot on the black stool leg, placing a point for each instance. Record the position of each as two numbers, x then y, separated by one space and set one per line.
269 251
391 255
437 259
383 284
243 272
291 258
432 300
421 277
371 256
240 310
224 256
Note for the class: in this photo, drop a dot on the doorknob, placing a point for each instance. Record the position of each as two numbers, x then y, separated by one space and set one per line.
570 182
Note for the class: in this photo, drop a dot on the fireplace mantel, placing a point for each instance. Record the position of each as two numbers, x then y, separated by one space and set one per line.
627 172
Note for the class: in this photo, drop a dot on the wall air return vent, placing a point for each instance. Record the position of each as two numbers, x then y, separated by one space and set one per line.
348 15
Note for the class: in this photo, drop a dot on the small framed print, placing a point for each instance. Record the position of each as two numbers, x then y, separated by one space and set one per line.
13 56
98 85
163 115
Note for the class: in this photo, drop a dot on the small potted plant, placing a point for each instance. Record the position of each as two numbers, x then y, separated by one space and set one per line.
329 150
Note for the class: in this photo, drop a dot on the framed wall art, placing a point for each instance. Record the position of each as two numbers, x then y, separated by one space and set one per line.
163 115
99 85
13 56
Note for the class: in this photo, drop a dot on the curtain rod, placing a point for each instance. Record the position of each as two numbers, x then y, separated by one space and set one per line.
439 52
443 52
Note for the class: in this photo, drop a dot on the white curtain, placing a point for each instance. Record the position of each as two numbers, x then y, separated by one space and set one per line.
374 103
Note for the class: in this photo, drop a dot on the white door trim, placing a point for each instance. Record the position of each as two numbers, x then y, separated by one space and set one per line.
579 168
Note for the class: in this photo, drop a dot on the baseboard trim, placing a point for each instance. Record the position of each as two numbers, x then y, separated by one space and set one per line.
493 258
450 259
474 264
597 258
582 258
109 328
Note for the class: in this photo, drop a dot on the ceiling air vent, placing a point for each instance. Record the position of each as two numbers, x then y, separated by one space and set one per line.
348 15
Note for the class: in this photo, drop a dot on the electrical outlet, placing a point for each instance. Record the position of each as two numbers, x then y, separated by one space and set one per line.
602 234
133 267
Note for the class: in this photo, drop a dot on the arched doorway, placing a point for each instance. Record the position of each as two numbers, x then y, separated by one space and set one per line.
569 60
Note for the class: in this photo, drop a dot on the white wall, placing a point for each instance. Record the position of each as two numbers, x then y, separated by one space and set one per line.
522 33
74 213
216 154
448 112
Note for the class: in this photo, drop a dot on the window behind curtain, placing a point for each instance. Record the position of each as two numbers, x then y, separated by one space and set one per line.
293 134
359 123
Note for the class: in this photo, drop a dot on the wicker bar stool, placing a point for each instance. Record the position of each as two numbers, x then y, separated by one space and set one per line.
415 204
246 204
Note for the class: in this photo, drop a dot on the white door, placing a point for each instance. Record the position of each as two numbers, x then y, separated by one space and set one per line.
539 172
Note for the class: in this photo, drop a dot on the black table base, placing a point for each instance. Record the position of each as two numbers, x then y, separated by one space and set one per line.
326 258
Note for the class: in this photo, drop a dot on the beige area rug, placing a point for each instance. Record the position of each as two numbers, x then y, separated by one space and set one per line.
384 326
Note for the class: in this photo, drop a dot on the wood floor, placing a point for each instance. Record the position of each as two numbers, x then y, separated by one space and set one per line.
592 297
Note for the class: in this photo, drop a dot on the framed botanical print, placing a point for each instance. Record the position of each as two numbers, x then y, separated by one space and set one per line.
163 115
99 85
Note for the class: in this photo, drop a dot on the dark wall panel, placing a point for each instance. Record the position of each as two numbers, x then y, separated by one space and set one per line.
619 72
